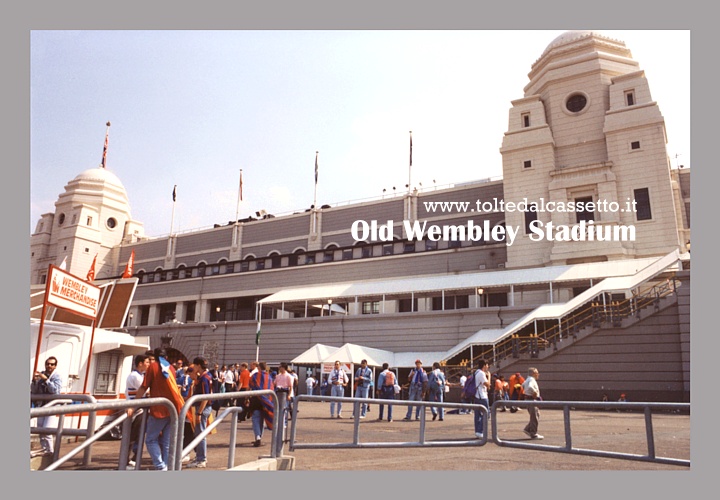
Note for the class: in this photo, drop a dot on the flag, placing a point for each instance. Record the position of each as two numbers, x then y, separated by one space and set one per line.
257 335
411 148
63 264
105 148
91 272
316 167
129 267
174 192
240 184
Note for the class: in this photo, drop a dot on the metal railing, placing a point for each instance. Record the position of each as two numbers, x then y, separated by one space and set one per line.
60 431
90 408
566 406
356 443
276 444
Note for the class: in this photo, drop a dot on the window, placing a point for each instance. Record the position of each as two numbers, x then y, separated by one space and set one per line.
584 214
366 251
576 103
642 204
630 97
111 223
329 256
409 247
431 245
454 244
292 259
530 216
167 312
527 164
74 218
497 299
259 264
407 305
89 221
182 272
108 366
61 219
525 119
388 249
451 302
190 311
309 258
347 254
635 145
275 260
371 307
245 265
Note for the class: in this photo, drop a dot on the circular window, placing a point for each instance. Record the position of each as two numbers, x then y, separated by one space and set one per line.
61 219
111 223
576 103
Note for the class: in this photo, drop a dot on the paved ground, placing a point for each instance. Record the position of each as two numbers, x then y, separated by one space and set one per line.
599 430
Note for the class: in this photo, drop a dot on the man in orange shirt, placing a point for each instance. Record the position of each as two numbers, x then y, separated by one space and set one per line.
244 377
160 381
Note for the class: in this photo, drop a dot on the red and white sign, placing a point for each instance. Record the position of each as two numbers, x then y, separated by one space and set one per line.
70 292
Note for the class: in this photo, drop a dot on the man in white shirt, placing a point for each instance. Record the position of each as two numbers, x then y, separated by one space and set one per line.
310 384
463 379
133 382
482 383
532 392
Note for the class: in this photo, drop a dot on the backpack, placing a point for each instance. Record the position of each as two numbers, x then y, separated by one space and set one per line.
434 381
470 388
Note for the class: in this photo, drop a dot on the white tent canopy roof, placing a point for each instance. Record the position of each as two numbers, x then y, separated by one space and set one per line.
485 279
314 355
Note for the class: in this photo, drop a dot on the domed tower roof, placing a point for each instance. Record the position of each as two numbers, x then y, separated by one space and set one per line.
100 176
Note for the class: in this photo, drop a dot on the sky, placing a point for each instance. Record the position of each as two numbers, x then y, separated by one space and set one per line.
193 108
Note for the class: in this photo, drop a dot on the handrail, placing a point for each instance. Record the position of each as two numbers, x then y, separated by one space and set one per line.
593 312
568 447
275 447
555 311
109 405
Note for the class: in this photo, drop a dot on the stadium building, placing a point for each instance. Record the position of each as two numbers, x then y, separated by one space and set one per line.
577 261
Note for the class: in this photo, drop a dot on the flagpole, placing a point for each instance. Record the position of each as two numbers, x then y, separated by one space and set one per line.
410 166
172 217
314 213
237 212
105 147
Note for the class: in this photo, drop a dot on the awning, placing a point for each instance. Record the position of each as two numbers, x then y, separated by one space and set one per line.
106 340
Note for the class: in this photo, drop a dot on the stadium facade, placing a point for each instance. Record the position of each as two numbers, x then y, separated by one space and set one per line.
576 261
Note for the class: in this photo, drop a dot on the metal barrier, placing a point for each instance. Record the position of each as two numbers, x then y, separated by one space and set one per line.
276 444
356 402
64 399
90 408
566 406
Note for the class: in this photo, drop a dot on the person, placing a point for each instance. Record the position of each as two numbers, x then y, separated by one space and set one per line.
516 390
417 389
463 379
482 384
253 368
48 381
202 409
189 424
436 390
324 385
499 390
183 380
310 383
338 380
284 383
244 378
261 407
229 381
215 374
132 383
179 370
386 389
160 381
531 392
150 353
363 376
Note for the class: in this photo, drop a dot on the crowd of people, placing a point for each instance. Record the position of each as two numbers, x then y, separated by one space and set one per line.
154 375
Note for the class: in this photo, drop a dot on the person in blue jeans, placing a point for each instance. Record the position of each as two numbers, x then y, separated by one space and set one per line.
202 385
363 379
418 388
482 382
338 380
386 389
